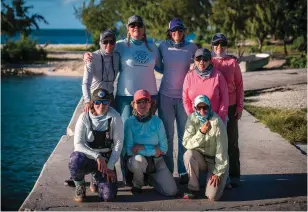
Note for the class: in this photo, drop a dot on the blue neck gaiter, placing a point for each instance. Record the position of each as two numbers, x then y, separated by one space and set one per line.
177 45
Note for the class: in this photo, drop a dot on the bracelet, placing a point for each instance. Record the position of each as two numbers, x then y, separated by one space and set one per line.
202 132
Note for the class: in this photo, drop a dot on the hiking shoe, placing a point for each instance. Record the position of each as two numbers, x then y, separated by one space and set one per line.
93 186
69 182
80 193
135 190
191 195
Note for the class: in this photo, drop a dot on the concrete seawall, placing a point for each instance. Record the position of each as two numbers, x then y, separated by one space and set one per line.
274 173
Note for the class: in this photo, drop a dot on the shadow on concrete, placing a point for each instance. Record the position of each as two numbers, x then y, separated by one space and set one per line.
253 187
268 186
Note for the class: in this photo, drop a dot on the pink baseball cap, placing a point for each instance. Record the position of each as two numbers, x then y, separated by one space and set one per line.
142 94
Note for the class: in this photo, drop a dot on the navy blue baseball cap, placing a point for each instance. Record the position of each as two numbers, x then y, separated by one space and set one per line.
219 37
176 22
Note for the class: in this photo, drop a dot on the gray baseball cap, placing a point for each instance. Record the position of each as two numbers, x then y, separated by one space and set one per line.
135 19
203 52
107 33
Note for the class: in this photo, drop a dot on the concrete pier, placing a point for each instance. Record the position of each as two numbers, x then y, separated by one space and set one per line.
274 173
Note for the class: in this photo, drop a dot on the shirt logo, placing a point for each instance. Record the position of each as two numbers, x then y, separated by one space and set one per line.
141 57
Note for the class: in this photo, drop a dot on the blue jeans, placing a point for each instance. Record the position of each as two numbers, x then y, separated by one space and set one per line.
80 165
169 110
123 105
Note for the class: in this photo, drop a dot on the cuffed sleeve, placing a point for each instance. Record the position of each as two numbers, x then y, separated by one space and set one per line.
192 138
187 102
118 140
221 158
86 81
224 98
80 138
238 81
128 138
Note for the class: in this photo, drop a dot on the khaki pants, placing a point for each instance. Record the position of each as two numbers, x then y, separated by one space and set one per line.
195 162
163 179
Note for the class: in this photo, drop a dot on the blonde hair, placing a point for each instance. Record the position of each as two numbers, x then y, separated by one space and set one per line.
144 38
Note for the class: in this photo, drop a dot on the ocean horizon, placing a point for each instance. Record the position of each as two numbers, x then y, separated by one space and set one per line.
56 36
66 36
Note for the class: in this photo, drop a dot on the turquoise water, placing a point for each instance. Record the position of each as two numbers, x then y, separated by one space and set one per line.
35 112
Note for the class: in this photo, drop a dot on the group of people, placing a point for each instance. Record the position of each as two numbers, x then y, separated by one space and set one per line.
201 89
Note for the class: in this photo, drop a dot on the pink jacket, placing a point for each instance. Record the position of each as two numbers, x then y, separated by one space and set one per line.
214 87
230 69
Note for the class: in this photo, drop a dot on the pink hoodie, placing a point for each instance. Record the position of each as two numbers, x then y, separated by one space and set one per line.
214 87
230 69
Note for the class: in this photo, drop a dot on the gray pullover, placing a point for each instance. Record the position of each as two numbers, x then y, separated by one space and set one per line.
100 73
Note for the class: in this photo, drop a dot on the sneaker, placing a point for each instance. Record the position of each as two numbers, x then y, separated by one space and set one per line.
135 190
191 195
93 186
80 193
69 182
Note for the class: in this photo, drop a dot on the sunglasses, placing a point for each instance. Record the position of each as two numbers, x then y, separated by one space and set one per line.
222 43
179 29
206 107
133 25
144 101
104 102
202 58
111 42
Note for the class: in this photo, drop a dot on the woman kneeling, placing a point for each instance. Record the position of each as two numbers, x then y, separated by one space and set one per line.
145 143
98 143
206 141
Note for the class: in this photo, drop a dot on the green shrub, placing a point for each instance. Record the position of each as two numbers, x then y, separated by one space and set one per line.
22 51
297 61
299 44
289 123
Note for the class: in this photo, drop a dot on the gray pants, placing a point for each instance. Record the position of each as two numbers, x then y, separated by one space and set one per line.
162 178
196 162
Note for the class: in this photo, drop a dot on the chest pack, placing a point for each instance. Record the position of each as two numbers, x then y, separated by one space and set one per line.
102 139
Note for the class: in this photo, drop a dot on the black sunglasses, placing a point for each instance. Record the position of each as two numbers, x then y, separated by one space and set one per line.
133 25
206 107
104 102
111 42
202 58
222 43
142 101
179 29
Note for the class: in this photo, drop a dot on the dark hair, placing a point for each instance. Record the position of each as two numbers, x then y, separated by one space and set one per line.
169 37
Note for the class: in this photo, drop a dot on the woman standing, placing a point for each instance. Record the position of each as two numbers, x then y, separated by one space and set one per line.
177 56
207 80
145 143
98 143
138 59
230 69
102 71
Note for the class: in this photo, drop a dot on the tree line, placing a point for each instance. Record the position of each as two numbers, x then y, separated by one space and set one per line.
285 20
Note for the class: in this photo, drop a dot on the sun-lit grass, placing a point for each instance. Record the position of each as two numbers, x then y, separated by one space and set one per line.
291 124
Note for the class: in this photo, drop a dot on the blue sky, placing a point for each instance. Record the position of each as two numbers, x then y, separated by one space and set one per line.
59 13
